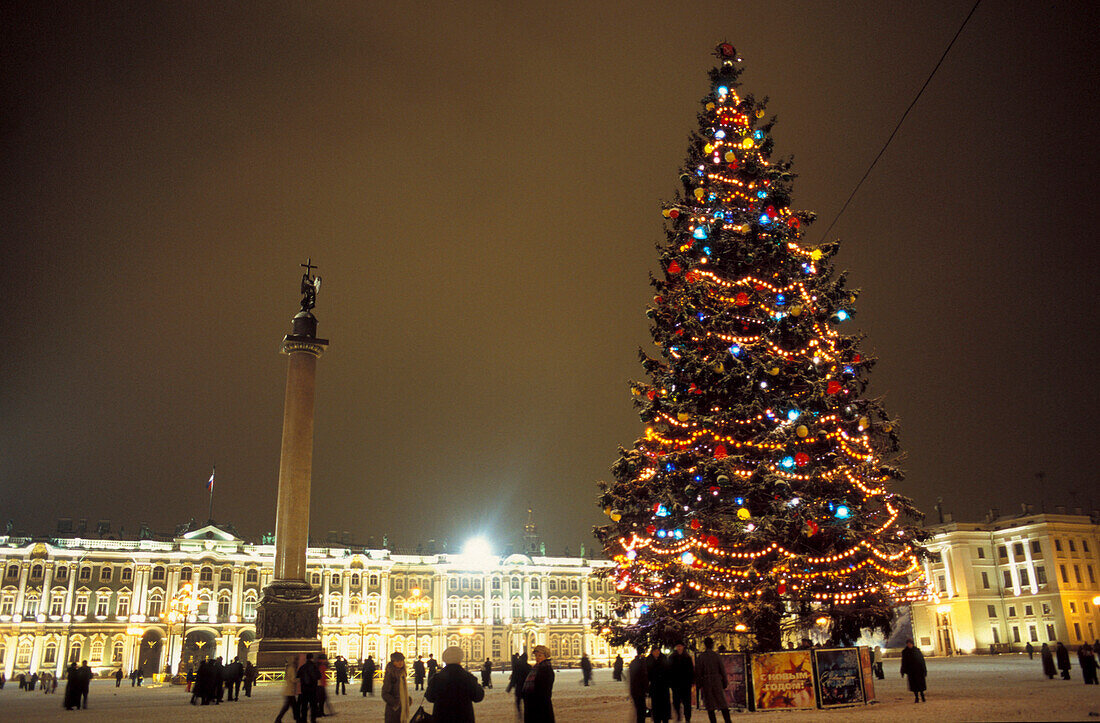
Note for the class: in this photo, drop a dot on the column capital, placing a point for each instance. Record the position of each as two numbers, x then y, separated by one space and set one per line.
293 343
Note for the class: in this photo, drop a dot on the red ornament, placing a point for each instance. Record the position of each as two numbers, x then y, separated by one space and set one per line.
781 588
658 299
833 387
856 359
712 541
794 222
726 50
696 524
674 213
720 452
691 277
770 210
656 506
810 528
733 165
713 489
674 268
679 332
742 299
650 529
652 394
802 459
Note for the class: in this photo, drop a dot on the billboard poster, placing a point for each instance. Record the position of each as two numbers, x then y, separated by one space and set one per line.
737 691
783 680
838 677
868 674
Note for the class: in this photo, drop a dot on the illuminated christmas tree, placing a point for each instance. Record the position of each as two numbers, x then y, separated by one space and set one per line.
758 496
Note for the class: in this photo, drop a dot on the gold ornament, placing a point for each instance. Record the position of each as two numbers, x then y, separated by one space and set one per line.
747 143
710 106
730 156
796 310
759 112
683 416
699 193
816 254
802 430
708 148
773 371
743 514
864 423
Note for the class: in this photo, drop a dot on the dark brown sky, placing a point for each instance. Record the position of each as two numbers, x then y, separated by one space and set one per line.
479 183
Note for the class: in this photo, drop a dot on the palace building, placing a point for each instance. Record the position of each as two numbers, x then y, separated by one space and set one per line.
150 603
1010 581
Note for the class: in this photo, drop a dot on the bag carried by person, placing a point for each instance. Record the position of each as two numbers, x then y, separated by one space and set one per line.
421 716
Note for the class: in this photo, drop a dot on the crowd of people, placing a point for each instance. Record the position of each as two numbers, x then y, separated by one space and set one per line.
211 681
1086 658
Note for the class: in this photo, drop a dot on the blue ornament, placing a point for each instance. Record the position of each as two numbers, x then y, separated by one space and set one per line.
738 500
849 370
787 462
761 194
842 315
678 534
719 214
735 350
701 316
700 233
765 218
758 135
662 534
643 608
723 90
662 511
780 300
699 172
719 134
793 414
706 250
842 512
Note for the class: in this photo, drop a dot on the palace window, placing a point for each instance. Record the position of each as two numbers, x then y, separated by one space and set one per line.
13 570
1018 549
315 579
127 574
335 579
250 605
334 606
1041 575
97 651
1050 632
985 579
226 575
185 574
116 652
30 605
1002 552
1028 610
1036 547
981 553
36 572
223 607
1057 544
1046 608
7 604
496 587
62 573
373 581
1024 576
1077 574
206 574
1072 606
1062 570
156 604
1085 545
105 573
1072 547
158 574
57 603
355 579
49 655
252 576
515 583
101 601
23 654
82 604
85 574
1007 578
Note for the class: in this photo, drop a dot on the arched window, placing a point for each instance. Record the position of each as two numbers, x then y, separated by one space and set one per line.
122 604
335 580
13 570
333 647
23 654
158 573
452 607
355 579
334 606
185 574
373 601
252 576
250 605
372 646
206 574
156 604
30 605
374 581
223 607
226 575
36 572
353 647
49 654
97 651
517 608
315 579
116 652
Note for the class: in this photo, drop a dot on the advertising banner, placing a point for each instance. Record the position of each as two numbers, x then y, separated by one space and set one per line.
783 680
737 684
839 679
868 674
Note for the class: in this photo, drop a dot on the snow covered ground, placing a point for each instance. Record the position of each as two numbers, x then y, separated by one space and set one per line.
975 688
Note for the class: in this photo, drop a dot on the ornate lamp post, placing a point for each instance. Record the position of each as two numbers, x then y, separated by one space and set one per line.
416 606
182 605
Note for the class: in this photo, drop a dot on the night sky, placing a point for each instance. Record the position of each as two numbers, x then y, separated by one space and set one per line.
480 184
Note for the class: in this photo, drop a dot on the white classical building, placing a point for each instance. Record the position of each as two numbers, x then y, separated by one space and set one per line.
1001 584
111 602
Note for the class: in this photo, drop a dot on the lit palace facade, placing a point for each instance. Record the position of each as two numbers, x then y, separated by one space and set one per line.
1010 581
143 603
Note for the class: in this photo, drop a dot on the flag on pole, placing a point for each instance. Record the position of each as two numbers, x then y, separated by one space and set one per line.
210 482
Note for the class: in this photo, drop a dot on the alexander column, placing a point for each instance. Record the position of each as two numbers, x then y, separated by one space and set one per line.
286 623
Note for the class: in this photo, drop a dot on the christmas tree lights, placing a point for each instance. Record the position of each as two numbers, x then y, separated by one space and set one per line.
758 492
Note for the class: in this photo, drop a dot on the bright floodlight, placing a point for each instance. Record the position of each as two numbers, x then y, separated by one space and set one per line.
477 547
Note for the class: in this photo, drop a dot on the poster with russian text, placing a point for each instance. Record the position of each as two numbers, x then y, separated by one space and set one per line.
783 680
838 677
868 673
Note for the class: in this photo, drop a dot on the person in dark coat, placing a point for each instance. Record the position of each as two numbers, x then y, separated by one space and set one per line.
638 683
912 665
84 675
118 677
341 666
681 676
433 666
1088 663
711 681
586 670
395 690
418 673
487 674
309 679
520 670
617 668
72 688
1030 650
233 675
250 675
539 688
1062 656
453 690
366 686
1048 662
660 707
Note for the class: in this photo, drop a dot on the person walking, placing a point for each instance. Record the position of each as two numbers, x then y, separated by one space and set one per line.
366 686
1062 656
487 674
617 668
309 677
1087 662
711 681
681 676
133 677
538 689
660 707
418 673
912 665
250 675
234 676
84 675
341 666
433 666
118 678
1030 650
453 690
290 688
395 690
586 670
638 683
324 705
520 670
1047 657
71 698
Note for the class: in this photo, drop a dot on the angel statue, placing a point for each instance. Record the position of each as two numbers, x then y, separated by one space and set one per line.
310 286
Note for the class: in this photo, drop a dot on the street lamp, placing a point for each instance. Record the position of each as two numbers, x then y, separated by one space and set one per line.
416 606
180 608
